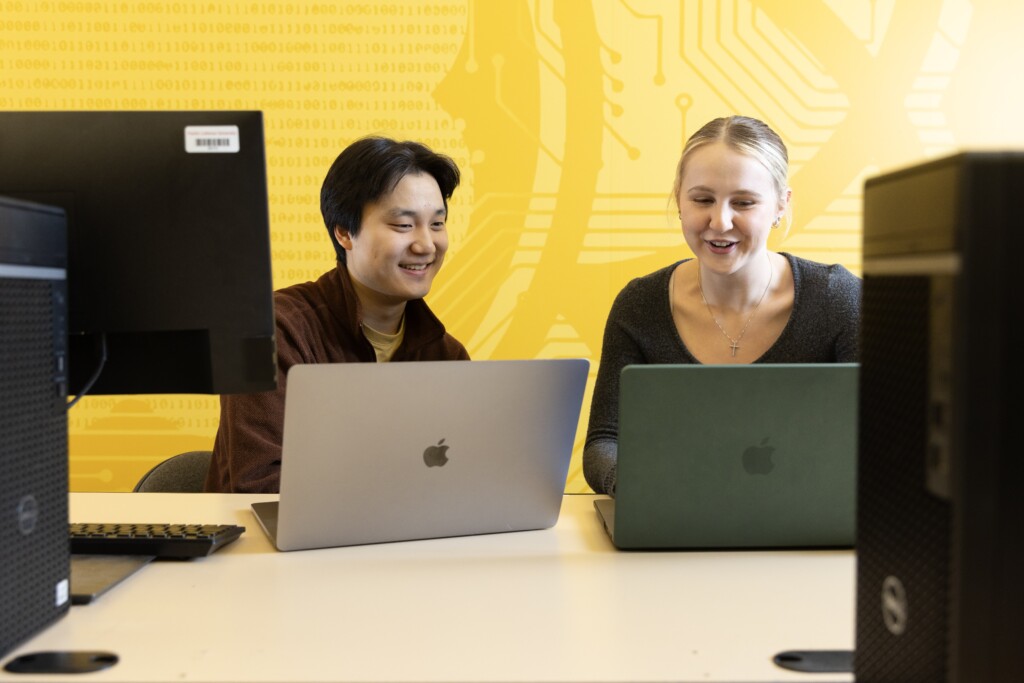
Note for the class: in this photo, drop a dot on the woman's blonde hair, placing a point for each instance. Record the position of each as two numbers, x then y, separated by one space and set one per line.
747 136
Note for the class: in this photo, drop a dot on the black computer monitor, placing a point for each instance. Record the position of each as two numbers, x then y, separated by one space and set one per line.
168 243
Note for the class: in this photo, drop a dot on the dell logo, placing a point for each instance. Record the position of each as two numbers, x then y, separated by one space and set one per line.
28 514
894 605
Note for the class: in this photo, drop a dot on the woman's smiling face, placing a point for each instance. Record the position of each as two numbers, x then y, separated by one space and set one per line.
727 205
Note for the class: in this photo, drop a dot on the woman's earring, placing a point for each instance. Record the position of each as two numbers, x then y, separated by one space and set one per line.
778 219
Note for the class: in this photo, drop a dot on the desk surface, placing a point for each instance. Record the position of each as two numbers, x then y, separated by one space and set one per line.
554 605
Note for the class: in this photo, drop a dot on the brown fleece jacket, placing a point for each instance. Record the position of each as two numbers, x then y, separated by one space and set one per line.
317 322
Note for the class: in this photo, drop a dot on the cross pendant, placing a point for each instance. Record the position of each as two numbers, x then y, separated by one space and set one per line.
735 347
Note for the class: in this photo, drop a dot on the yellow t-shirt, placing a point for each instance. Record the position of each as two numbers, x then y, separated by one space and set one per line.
384 345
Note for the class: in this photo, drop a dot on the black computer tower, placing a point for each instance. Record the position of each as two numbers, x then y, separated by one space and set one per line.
940 524
34 560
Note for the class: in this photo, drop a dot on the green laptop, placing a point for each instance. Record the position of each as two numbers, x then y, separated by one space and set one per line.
735 456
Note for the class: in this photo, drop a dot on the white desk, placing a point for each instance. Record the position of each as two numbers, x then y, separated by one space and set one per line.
554 605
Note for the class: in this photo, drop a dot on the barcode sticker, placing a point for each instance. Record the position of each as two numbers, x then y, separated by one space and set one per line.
211 139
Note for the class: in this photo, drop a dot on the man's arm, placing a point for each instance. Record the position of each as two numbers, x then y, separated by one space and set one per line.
247 450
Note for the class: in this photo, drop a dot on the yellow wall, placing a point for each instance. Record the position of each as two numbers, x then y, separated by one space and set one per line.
566 117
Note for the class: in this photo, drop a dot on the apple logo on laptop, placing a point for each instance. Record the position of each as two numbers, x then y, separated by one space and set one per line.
758 459
436 456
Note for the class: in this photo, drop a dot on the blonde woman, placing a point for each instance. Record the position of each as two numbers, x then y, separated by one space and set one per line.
735 301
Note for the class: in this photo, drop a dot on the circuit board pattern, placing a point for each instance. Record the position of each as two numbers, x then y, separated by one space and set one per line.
566 117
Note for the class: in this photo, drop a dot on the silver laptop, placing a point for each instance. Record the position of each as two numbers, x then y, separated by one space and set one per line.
384 452
735 456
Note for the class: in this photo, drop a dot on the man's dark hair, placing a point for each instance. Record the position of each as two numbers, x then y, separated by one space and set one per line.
370 168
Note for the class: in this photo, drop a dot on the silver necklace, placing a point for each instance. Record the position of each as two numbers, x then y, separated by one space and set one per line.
734 344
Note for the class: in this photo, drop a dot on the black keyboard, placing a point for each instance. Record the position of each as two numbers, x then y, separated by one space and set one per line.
161 540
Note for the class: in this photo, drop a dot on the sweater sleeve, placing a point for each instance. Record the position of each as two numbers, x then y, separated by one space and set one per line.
846 298
619 349
247 450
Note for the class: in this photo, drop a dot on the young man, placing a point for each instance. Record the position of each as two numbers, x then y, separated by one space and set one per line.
385 204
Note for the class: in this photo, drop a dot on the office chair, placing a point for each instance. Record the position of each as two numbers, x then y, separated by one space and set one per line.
182 473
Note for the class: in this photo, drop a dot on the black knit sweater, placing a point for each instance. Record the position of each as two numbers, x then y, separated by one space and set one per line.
823 328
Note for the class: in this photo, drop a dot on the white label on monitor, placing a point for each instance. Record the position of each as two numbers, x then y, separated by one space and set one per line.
62 592
211 139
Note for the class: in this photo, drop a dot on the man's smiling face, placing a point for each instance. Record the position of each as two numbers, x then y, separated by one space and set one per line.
400 245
